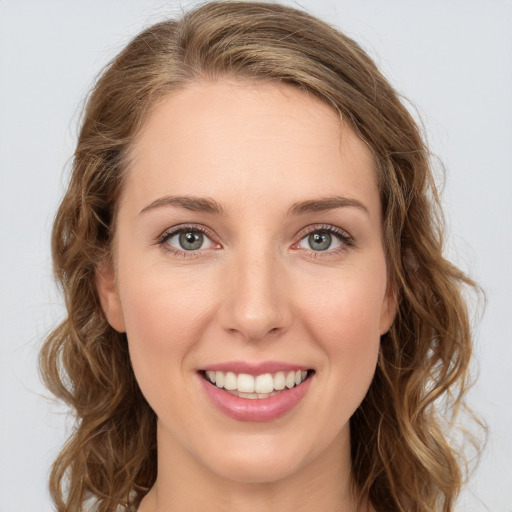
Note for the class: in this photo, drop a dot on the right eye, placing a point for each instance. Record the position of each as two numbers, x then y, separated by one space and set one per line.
186 240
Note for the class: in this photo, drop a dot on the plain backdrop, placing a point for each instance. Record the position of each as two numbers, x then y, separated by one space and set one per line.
451 58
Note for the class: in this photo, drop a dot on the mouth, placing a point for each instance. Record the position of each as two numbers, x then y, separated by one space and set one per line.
256 392
254 387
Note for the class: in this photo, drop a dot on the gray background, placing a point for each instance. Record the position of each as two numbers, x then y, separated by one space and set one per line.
452 58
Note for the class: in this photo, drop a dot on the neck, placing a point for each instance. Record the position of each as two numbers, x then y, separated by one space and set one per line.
184 484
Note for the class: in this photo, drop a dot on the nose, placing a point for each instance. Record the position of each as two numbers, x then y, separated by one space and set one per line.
256 297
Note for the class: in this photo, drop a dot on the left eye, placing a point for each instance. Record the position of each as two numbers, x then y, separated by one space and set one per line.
320 241
188 240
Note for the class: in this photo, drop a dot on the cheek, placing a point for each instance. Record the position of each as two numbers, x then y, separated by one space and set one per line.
344 319
350 302
164 319
165 306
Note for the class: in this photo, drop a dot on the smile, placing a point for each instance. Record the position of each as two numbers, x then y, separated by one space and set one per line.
256 386
255 394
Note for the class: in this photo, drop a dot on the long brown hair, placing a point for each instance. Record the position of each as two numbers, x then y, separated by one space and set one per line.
401 458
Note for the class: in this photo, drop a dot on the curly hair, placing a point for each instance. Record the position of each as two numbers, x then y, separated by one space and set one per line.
402 459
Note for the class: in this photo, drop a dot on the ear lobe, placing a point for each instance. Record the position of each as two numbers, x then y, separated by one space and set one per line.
109 297
388 311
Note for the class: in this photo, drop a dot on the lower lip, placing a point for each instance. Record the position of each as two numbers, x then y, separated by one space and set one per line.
258 409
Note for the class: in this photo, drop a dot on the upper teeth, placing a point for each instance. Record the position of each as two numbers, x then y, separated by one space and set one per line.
265 383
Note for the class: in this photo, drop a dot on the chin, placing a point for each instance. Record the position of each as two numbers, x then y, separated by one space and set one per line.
258 470
265 459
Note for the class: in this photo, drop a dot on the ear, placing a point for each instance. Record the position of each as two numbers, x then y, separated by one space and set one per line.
109 296
389 309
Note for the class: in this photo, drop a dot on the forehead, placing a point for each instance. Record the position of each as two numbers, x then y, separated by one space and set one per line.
246 140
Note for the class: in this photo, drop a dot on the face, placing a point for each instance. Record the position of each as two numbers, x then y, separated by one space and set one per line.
249 252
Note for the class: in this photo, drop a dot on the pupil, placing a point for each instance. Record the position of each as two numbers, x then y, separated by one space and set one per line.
320 241
191 241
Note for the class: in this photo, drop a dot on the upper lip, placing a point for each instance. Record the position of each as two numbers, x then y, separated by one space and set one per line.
254 368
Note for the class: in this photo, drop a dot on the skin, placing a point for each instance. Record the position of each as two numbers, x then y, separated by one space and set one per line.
255 291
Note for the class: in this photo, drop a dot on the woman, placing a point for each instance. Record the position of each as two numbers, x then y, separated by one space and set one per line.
259 313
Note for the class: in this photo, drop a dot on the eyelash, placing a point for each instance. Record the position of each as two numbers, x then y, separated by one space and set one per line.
346 240
167 235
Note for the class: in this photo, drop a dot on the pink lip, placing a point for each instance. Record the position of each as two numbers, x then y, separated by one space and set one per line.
257 410
254 368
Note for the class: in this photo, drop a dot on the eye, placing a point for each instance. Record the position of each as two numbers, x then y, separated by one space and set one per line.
325 239
189 240
186 239
320 241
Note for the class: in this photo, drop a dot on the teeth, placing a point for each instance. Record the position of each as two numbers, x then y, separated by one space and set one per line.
264 383
259 386
245 383
230 381
279 381
250 396
290 380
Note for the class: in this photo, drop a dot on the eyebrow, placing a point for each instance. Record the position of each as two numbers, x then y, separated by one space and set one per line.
325 204
193 204
208 205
